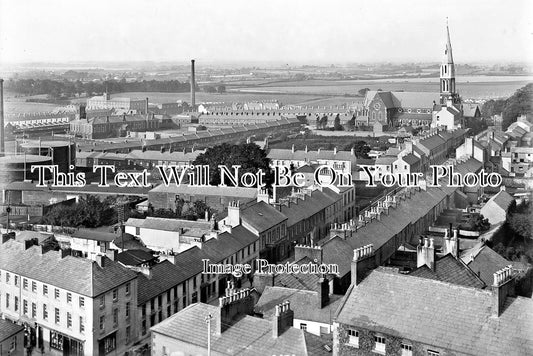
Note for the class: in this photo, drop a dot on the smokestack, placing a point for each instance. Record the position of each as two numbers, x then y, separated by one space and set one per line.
193 86
2 143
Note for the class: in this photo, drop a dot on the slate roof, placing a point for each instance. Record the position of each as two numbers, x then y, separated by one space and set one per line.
452 270
237 192
305 208
28 235
406 99
9 329
96 235
315 344
304 303
410 159
130 243
166 224
439 314
135 257
248 336
302 155
79 275
261 216
469 110
385 160
432 142
485 261
164 276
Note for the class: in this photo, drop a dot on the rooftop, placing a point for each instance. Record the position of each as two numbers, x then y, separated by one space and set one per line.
248 336
439 314
9 329
79 275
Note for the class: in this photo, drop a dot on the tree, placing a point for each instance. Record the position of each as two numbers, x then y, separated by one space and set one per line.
362 92
521 223
249 156
361 149
210 89
221 88
324 122
337 123
476 222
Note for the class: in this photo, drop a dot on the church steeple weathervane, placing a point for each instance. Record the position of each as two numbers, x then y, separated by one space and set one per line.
448 95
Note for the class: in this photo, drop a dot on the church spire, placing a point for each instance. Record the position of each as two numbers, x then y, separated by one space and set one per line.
448 96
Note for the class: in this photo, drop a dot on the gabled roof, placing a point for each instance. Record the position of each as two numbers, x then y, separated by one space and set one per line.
262 216
248 336
304 303
501 200
135 257
164 276
456 318
79 275
9 329
452 270
96 235
410 159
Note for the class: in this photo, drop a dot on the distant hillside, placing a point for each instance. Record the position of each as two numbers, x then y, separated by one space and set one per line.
518 104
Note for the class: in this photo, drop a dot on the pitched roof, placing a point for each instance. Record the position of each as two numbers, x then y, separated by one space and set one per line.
135 257
76 274
309 206
262 216
96 235
166 224
238 192
470 110
452 270
432 142
410 159
405 99
439 314
248 336
484 261
164 276
304 303
9 329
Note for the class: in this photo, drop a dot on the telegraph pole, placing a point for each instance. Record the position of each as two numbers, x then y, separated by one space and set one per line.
208 321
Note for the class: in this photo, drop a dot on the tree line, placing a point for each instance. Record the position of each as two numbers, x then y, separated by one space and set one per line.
517 104
68 89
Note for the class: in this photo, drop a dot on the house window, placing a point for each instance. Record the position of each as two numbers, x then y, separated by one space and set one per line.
110 343
45 312
13 345
353 337
25 307
433 353
25 283
34 287
303 326
407 350
56 293
7 278
69 298
82 325
69 320
102 301
16 280
137 230
45 289
82 302
7 300
57 319
115 317
102 322
115 295
128 334
379 344
127 288
127 309
33 310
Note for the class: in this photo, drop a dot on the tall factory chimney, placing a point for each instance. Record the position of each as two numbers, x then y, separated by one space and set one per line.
193 86
2 138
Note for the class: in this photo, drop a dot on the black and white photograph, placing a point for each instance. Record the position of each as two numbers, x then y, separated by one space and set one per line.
266 178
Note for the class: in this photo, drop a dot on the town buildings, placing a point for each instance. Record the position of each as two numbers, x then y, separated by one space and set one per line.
450 319
69 305
11 338
129 105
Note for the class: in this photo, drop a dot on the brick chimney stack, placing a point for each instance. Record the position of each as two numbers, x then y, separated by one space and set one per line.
232 307
503 287
361 263
426 254
323 292
282 320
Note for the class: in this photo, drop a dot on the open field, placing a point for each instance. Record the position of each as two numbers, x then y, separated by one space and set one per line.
469 87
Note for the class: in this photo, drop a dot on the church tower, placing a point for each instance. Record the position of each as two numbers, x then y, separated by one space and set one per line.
448 95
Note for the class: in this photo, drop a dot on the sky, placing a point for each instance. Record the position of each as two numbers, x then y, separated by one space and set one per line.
291 31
